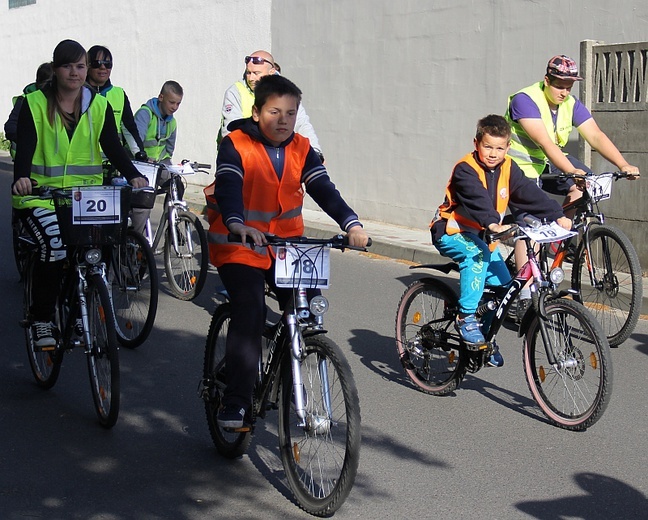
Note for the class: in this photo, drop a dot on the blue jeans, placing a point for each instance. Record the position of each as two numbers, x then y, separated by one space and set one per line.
478 266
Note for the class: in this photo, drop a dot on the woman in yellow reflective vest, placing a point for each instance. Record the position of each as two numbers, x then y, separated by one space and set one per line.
61 132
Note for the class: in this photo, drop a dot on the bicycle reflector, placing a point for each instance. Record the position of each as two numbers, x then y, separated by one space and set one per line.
319 305
557 275
93 256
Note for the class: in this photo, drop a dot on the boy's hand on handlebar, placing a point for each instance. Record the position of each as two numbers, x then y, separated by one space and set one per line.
139 182
580 178
246 231
23 186
564 223
498 228
358 237
632 171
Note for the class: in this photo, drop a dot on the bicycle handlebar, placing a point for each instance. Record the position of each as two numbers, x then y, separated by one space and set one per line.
615 175
335 242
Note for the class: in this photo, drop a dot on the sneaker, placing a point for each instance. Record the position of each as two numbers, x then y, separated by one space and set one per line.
42 334
522 306
231 417
495 359
469 329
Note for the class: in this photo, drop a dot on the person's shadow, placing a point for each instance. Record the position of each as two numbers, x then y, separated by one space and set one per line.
605 498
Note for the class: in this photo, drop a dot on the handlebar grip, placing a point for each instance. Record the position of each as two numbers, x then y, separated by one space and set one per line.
202 166
489 237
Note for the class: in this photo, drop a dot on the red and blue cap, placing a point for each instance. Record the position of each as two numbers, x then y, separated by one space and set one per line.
563 67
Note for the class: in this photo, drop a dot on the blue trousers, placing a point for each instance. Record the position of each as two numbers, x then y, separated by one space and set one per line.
478 266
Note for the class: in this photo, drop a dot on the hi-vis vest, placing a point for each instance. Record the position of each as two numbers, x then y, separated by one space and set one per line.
116 98
247 102
457 219
154 143
271 204
58 161
527 154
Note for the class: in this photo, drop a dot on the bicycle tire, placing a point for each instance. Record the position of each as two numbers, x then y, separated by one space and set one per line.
187 270
45 366
229 444
428 347
20 255
575 395
615 300
133 280
321 458
102 356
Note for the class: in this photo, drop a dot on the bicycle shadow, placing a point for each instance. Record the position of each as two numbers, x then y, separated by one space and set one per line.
642 339
605 498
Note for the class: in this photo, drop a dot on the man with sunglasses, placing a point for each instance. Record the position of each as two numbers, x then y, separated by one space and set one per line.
239 98
100 62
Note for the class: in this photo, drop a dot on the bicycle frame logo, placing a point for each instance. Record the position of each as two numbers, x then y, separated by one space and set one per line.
516 285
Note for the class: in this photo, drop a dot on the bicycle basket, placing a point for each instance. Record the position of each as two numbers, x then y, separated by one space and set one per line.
92 215
143 198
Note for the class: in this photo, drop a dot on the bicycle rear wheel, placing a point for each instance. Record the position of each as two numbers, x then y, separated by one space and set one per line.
428 346
102 355
574 392
186 268
321 453
609 280
134 283
229 444
45 365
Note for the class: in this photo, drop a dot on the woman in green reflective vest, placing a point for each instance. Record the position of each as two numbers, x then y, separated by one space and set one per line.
61 132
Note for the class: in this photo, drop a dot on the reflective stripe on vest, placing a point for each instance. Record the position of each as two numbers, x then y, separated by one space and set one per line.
57 161
117 99
155 144
457 219
247 99
271 205
527 154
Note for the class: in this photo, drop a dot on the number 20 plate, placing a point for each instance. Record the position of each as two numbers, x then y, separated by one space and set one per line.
302 266
96 205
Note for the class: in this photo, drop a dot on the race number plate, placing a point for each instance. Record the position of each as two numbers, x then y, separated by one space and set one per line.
96 205
548 233
302 266
600 186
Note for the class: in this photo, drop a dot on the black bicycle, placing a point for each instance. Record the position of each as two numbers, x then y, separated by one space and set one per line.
305 376
567 359
91 219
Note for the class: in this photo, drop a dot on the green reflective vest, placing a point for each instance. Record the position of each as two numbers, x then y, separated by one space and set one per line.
526 153
154 143
58 161
116 98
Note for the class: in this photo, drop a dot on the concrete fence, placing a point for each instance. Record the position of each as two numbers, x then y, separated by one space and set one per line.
615 89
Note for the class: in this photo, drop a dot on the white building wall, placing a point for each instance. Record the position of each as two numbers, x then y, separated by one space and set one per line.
199 43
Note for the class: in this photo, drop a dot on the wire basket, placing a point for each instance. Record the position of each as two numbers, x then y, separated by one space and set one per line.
92 215
143 198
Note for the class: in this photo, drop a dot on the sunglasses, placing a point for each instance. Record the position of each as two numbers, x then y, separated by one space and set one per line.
257 60
96 64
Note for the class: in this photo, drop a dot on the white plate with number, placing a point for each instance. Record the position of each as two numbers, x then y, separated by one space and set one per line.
96 205
548 233
302 265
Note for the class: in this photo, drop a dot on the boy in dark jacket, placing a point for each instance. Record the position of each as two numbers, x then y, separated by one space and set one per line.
482 185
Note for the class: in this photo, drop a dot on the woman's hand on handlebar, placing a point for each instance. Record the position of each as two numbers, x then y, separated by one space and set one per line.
244 232
23 186
139 182
564 223
357 237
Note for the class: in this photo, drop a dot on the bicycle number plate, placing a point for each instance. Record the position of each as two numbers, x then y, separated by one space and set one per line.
600 186
302 266
181 169
548 233
149 171
96 205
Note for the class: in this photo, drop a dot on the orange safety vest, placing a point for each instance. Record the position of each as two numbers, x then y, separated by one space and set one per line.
457 219
271 205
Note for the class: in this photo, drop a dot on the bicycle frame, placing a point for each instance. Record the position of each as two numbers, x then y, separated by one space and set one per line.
172 205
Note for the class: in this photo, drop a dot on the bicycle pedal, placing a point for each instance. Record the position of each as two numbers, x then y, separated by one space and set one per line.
243 429
476 347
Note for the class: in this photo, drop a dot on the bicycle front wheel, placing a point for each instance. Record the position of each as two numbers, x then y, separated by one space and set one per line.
229 444
134 283
574 392
102 354
428 346
320 451
186 262
608 277
45 365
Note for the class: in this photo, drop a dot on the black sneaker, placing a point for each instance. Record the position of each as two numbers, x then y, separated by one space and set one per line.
231 417
522 306
43 335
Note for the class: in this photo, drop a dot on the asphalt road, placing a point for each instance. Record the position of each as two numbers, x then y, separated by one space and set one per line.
484 452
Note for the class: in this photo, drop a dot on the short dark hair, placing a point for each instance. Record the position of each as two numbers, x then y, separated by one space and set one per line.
172 86
274 85
95 50
494 125
43 74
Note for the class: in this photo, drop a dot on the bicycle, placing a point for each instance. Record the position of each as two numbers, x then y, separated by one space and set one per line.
305 376
186 258
567 360
90 218
606 272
